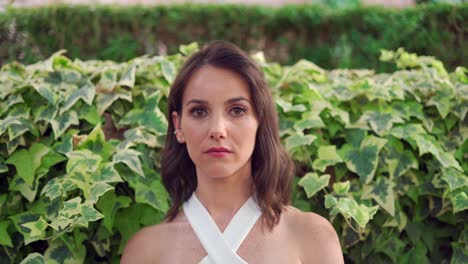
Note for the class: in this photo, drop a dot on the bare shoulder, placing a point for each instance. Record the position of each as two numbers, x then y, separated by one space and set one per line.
145 246
315 236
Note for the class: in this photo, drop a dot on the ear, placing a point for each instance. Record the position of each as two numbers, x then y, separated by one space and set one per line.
176 119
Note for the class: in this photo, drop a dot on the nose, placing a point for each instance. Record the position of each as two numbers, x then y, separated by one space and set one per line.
218 128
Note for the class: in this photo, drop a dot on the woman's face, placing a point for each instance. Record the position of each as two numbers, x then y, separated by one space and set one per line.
218 123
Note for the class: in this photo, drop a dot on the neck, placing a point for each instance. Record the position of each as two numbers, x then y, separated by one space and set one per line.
224 197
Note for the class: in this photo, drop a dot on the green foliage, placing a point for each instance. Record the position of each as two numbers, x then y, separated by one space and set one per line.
333 33
381 155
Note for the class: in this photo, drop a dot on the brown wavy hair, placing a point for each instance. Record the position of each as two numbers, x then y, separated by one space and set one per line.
272 168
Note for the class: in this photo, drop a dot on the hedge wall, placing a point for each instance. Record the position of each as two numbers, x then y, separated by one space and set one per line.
330 38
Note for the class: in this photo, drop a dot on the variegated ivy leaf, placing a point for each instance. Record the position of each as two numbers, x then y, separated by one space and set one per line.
34 258
341 188
289 107
63 122
168 70
22 218
309 120
138 135
382 192
11 100
89 214
459 199
97 190
312 183
361 155
7 122
128 76
47 91
381 120
109 204
37 228
82 161
349 208
150 116
443 100
326 156
86 93
66 250
130 158
408 132
17 129
297 140
398 159
454 178
105 100
96 143
153 194
107 173
427 144
108 82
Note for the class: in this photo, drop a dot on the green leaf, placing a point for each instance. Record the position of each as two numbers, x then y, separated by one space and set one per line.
26 162
34 258
63 122
297 140
341 188
22 218
460 253
313 183
150 116
109 204
82 161
4 236
327 156
382 192
96 143
130 158
362 159
189 49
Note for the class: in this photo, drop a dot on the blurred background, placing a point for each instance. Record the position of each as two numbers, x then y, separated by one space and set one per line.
331 33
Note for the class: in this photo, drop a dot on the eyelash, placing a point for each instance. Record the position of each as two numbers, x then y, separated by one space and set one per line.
196 109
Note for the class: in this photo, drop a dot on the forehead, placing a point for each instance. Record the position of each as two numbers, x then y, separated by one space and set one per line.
212 83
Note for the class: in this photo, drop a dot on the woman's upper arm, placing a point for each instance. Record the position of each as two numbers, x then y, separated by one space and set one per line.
318 240
141 248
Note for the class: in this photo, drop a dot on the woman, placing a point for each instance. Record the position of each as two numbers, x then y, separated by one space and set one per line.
227 174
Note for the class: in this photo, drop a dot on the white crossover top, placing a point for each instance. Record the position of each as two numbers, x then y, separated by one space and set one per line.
221 247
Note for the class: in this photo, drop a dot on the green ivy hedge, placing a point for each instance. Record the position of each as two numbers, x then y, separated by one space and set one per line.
383 156
331 38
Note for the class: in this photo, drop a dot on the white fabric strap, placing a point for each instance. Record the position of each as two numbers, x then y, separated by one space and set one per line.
221 247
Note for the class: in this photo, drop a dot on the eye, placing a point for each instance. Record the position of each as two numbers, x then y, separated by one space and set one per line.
238 111
198 112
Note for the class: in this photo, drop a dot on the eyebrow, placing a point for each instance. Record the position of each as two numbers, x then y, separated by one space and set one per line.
229 101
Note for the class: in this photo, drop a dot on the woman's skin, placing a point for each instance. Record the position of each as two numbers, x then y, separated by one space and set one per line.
217 112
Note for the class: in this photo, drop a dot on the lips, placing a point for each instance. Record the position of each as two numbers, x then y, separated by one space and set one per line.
218 150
